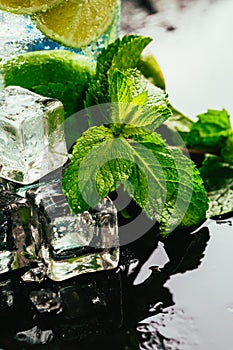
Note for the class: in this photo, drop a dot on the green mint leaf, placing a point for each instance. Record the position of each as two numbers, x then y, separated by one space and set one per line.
105 167
121 89
128 42
227 149
218 178
128 54
141 103
197 205
166 184
210 131
97 92
70 184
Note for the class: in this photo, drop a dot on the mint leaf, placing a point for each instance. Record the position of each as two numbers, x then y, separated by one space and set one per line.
140 102
70 184
197 205
210 131
167 173
213 133
128 54
121 89
227 149
218 178
121 47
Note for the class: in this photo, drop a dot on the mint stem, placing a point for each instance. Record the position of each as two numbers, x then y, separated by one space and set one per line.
197 151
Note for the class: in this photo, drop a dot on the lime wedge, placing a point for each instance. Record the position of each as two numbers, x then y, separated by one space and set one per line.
77 23
150 68
58 74
27 6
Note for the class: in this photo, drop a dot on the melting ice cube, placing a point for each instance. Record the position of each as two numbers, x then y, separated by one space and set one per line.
74 244
32 141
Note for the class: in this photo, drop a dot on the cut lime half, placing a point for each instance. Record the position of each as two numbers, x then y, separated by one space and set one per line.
27 6
77 23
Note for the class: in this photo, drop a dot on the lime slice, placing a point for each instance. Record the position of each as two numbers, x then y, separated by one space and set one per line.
150 68
77 23
58 74
27 6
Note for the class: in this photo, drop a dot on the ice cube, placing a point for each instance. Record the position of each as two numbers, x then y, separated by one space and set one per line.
19 238
32 141
74 244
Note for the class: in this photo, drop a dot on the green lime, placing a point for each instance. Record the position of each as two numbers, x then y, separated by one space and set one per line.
150 68
58 74
27 6
77 23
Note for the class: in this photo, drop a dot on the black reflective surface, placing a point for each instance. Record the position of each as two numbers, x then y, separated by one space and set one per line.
174 293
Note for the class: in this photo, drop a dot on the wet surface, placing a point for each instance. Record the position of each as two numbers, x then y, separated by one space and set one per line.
201 317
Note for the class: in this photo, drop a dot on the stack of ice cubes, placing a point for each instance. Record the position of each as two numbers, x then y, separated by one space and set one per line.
37 224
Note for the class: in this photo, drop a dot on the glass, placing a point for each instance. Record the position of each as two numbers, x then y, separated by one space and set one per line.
32 126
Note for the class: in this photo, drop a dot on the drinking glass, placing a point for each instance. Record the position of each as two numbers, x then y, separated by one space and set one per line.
26 121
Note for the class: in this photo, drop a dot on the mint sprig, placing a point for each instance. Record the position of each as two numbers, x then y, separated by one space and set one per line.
218 178
118 80
163 182
210 131
211 136
122 147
